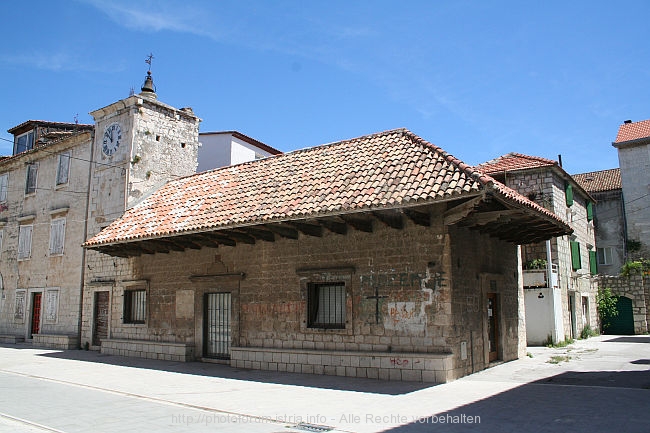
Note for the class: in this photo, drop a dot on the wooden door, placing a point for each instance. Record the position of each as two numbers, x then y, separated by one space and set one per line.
36 314
100 318
493 327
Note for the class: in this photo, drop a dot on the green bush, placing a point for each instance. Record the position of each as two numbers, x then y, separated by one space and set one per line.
606 301
588 332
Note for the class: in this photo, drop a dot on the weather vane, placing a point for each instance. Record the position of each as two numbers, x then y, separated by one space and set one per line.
148 60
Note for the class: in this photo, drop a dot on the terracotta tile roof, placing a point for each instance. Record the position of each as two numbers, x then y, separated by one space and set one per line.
633 131
598 181
514 161
390 169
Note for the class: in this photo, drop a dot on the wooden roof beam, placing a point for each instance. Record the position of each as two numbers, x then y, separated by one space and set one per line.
283 230
390 218
361 224
419 218
457 213
307 229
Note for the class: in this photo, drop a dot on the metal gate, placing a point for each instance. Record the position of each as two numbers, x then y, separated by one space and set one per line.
623 324
216 334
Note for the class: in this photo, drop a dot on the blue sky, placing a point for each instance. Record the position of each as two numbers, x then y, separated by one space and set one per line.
478 78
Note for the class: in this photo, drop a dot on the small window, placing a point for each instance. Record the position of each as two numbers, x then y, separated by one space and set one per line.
63 169
4 183
568 191
2 235
575 255
57 236
326 306
25 242
135 306
593 263
605 255
32 175
24 142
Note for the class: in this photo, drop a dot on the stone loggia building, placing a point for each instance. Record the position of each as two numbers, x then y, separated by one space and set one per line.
381 256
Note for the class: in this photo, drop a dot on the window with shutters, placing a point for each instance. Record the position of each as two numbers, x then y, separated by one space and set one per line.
593 263
575 255
32 174
4 184
326 306
135 306
57 236
63 169
25 242
568 191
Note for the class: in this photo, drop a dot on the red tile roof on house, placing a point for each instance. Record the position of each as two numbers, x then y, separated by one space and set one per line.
514 161
633 131
599 181
392 169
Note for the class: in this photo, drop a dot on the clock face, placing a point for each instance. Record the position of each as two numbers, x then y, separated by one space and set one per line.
112 138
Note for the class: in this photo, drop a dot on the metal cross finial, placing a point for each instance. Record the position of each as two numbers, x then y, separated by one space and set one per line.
148 60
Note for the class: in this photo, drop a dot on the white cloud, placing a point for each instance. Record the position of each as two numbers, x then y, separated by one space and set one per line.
155 16
51 61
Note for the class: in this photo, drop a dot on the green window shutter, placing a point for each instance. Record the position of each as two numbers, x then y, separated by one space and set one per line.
593 263
568 191
590 211
575 255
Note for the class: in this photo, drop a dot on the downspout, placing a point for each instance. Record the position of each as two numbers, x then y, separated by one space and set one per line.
84 252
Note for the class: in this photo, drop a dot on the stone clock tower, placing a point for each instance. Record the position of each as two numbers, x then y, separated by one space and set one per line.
140 143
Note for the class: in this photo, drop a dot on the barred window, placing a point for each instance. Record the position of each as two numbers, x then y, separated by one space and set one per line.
326 306
135 306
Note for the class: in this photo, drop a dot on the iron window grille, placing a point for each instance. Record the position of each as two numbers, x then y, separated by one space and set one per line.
326 306
135 306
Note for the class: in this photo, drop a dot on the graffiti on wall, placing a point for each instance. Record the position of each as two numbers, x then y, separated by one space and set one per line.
410 315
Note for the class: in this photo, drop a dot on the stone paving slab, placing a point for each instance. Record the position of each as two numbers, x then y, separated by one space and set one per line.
596 385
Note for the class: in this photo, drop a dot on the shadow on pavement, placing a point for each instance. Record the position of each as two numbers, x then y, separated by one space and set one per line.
227 372
572 401
631 339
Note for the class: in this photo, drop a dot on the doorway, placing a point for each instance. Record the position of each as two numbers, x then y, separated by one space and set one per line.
100 318
216 325
493 327
37 298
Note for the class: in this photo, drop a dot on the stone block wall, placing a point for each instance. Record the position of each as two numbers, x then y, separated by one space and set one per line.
58 277
418 367
148 349
637 289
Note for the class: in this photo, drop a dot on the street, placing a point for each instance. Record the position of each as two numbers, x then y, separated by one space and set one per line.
596 385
